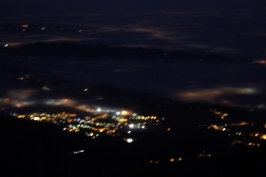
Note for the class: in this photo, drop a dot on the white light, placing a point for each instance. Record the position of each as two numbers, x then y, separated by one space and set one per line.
143 127
99 109
117 113
224 129
6 45
129 140
131 125
36 118
77 152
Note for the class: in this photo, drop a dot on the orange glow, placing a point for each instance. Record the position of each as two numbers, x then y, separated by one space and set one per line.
263 137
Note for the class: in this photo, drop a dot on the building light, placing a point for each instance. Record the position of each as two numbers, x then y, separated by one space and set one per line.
129 140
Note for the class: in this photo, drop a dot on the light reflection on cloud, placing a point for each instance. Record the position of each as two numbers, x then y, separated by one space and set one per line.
21 94
23 98
212 94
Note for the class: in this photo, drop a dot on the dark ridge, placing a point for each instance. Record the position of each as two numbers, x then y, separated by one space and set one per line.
68 49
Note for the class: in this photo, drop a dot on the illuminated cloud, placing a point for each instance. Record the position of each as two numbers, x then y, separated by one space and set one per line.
21 94
212 94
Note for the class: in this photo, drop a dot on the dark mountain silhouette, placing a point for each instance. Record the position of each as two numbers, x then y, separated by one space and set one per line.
69 49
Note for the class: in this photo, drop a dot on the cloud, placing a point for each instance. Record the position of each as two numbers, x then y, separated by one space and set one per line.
212 94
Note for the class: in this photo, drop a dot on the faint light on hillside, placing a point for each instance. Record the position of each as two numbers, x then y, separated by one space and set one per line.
260 61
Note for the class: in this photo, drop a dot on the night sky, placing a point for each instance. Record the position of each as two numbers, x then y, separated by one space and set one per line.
229 28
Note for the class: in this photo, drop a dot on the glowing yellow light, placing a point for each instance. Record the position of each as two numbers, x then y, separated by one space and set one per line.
124 112
172 160
215 127
263 137
180 159
122 120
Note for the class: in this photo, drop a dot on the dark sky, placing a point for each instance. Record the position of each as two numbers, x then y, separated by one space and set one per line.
229 27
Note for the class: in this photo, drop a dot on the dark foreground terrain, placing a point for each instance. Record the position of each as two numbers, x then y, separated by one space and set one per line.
31 148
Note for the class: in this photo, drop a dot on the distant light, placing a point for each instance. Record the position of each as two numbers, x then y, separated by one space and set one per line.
224 129
131 125
117 113
36 118
172 160
263 137
77 152
143 127
6 45
124 112
129 132
86 89
168 129
129 140
99 109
